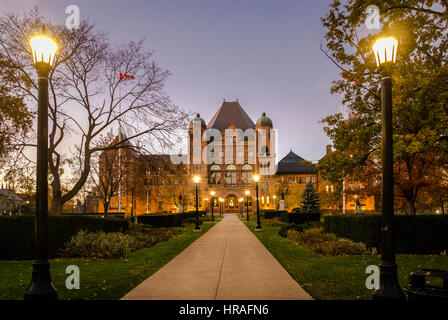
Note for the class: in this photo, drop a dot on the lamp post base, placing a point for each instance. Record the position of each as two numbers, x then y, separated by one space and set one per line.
389 285
41 287
258 228
197 230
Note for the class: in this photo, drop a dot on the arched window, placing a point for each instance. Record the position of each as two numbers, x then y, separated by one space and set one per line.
246 175
231 174
215 174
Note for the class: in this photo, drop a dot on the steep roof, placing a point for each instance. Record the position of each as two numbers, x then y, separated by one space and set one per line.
9 195
231 113
294 164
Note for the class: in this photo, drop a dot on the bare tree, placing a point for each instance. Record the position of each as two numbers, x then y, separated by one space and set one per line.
105 175
88 97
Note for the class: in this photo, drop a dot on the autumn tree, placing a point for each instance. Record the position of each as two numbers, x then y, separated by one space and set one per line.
88 97
16 119
420 97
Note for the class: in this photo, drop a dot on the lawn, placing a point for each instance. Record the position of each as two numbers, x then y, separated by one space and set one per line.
101 279
336 277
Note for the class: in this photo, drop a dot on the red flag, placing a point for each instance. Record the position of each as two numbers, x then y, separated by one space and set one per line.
126 76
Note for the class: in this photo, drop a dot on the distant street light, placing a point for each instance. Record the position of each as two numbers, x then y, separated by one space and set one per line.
256 179
221 200
212 202
196 180
247 204
385 50
41 288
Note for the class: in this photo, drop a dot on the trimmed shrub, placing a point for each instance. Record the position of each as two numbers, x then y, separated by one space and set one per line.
17 233
299 218
271 214
419 234
165 220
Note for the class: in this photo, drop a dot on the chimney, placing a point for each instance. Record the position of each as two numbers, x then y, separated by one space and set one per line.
328 148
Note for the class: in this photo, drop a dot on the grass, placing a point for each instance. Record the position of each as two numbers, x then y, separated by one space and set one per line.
100 279
336 277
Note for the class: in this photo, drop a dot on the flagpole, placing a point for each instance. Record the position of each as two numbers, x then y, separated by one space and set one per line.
119 151
343 181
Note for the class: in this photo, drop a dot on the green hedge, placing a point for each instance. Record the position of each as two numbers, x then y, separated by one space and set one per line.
271 214
158 220
17 233
419 234
299 218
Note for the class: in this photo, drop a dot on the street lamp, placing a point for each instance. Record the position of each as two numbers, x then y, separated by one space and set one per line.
41 288
221 200
196 180
212 193
256 179
385 50
247 204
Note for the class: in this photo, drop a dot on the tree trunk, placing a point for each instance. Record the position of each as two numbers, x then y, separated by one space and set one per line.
56 206
411 207
106 207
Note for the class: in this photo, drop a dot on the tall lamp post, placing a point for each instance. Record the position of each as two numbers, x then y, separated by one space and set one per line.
247 204
41 288
196 180
256 179
385 50
212 202
221 200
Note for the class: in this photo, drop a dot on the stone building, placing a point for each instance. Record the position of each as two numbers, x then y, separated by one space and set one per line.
225 153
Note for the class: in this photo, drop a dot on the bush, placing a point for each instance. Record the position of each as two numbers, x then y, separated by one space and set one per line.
283 232
115 245
419 234
17 233
165 220
326 244
299 218
148 236
100 245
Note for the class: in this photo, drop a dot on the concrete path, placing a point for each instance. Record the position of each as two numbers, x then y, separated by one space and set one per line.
227 263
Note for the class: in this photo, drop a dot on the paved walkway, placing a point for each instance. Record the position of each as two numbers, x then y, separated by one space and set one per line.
227 263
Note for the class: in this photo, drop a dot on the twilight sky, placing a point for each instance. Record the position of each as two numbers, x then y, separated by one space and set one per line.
263 52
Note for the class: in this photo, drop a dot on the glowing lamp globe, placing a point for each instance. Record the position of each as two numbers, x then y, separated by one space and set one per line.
43 48
247 192
385 50
196 179
256 178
